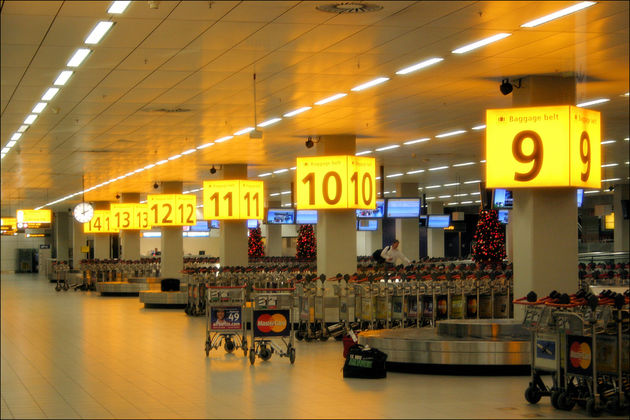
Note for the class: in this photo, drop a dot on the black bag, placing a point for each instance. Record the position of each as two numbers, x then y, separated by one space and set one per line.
377 256
365 363
169 285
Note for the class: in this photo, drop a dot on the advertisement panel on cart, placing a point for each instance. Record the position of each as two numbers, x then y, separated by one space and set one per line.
271 323
225 318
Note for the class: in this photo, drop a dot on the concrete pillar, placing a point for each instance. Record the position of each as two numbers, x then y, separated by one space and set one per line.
130 239
102 249
63 234
407 230
509 238
336 229
172 243
79 239
544 219
435 237
233 237
274 236
622 226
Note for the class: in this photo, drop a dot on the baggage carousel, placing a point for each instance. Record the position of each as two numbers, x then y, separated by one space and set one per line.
499 346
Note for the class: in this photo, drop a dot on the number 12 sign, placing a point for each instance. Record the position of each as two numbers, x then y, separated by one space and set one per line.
336 182
550 146
172 209
236 199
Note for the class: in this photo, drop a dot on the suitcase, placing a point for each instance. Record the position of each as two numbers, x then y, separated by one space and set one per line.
364 362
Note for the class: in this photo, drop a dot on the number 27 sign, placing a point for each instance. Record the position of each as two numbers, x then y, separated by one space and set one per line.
551 146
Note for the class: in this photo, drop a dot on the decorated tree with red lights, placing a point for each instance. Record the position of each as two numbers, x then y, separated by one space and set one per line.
256 248
489 239
306 243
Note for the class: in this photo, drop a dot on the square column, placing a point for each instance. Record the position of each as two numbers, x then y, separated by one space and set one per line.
233 233
274 236
622 226
63 235
172 242
102 249
408 230
130 239
79 239
435 237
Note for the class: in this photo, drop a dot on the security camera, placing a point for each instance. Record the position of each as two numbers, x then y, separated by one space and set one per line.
213 170
506 87
156 186
117 196
309 142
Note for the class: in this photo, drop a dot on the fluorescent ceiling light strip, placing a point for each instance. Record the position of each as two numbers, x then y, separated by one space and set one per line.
39 107
279 171
480 43
189 151
418 171
203 146
482 161
474 181
161 162
479 127
460 195
285 192
149 166
593 102
558 14
222 139
30 119
118 7
417 141
99 32
394 175
11 143
138 170
274 195
611 179
50 93
293 168
432 186
452 204
608 142
466 202
331 98
22 128
438 168
269 122
244 131
393 146
452 184
475 193
2 155
591 192
608 165
63 77
430 198
16 136
78 57
369 84
457 165
451 133
264 175
174 157
627 138
378 177
365 152
297 111
421 65
444 196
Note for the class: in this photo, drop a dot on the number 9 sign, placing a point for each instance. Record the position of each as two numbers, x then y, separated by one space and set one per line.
554 146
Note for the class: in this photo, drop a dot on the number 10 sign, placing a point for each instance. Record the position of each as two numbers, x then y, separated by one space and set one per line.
236 199
550 146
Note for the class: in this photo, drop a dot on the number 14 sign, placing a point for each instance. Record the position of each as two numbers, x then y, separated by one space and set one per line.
233 200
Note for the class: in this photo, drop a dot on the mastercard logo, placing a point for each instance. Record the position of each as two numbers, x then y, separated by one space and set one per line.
271 323
580 355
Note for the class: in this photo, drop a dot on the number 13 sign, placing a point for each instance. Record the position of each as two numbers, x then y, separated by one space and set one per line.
552 146
233 200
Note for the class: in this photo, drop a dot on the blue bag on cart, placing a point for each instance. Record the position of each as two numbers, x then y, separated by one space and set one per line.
365 362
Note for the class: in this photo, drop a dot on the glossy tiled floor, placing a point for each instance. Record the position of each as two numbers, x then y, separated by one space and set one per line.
77 354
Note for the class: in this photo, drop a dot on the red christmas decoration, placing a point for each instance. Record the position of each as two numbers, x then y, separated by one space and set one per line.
489 239
306 243
255 244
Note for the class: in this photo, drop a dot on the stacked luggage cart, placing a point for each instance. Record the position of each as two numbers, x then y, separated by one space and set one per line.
582 342
225 322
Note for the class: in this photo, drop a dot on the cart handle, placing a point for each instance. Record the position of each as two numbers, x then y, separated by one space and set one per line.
226 287
564 305
278 289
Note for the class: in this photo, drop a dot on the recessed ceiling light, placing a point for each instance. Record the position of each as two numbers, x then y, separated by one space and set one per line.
50 93
394 175
189 151
593 102
608 165
264 175
558 14
331 98
243 131
99 32
149 166
457 165
480 43
611 179
174 157
365 152
5 150
30 119
297 111
475 193
438 168
161 162
269 122
118 7
285 192
78 57
22 128
63 77
430 198
415 172
222 139
417 141
138 170
444 196
482 161
203 146
452 204
466 202
460 195
16 136
452 184
279 171
474 181
11 143
293 168
2 155
591 192
479 127
39 107
369 84
450 133
608 142
274 195
393 146
421 65
432 186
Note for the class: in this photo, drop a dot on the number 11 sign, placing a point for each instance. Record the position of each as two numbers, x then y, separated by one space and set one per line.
236 199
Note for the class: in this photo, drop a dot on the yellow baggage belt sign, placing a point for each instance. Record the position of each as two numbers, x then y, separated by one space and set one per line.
172 209
233 200
33 218
101 223
130 216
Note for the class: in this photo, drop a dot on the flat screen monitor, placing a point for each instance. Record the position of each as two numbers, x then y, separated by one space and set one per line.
370 224
252 223
214 224
580 197
306 217
403 207
439 221
377 213
502 199
503 216
281 216
201 226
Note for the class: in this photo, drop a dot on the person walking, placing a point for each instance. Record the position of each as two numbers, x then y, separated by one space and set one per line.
391 254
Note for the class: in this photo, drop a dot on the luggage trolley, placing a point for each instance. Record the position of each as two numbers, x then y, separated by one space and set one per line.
272 318
225 323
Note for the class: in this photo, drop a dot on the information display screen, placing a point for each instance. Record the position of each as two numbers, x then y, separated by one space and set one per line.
252 224
8 225
34 219
502 199
306 217
403 207
503 216
215 224
281 216
376 213
580 197
200 226
438 221
370 224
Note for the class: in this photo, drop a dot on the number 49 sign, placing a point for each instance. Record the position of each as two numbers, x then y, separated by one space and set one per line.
551 146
